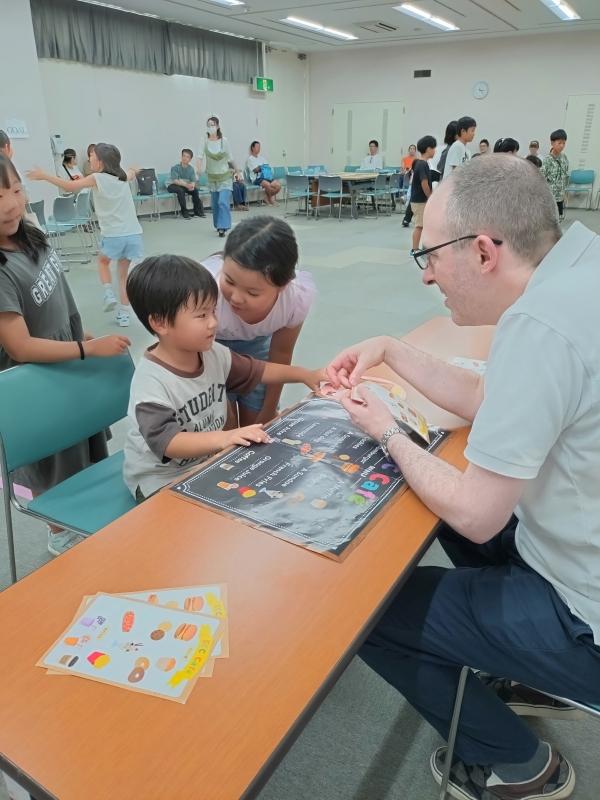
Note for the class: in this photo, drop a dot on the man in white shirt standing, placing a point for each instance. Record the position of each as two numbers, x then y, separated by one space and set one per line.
373 160
522 522
458 153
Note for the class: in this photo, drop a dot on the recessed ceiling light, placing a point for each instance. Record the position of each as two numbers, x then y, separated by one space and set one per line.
227 2
425 16
561 9
228 33
297 22
120 8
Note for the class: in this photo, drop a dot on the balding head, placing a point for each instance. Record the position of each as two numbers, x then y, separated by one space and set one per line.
505 197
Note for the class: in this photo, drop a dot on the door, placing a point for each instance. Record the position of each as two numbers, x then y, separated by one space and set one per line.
582 124
354 124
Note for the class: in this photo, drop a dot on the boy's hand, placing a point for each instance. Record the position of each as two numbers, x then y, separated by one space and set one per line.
246 436
314 378
106 346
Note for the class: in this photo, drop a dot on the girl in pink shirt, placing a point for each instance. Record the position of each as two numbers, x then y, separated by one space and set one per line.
262 303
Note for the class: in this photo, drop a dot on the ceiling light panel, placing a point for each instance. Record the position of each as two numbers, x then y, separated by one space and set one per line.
316 27
562 10
425 16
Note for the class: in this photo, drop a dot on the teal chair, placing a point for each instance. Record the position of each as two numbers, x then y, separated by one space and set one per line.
294 171
594 710
330 187
279 174
581 182
298 188
163 179
351 168
316 169
78 399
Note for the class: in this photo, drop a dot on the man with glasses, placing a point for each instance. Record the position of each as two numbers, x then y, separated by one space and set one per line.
524 603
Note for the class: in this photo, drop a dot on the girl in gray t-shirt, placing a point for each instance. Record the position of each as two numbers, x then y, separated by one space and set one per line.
39 321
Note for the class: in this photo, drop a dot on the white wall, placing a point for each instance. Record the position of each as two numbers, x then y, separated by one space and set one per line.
151 117
21 95
530 80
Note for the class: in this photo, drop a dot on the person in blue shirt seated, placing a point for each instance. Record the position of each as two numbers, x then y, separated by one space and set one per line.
183 182
261 173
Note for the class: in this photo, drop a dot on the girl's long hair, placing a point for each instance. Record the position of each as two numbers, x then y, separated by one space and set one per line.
28 239
110 157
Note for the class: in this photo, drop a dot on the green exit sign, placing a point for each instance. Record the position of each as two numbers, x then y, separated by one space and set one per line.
263 84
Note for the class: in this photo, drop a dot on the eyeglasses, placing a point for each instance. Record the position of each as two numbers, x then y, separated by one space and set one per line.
420 256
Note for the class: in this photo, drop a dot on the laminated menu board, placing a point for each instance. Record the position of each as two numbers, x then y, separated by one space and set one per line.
317 483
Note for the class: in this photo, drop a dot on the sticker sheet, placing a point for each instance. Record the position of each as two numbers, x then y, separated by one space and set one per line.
136 645
317 483
474 364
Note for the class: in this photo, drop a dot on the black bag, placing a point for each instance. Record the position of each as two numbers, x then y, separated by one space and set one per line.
146 179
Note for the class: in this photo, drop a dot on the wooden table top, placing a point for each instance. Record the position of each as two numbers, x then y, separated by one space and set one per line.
356 176
296 618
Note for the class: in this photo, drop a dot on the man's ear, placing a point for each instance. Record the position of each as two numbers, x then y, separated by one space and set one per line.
487 253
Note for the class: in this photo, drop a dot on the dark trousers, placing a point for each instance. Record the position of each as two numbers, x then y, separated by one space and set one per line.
408 214
239 193
560 204
494 613
182 193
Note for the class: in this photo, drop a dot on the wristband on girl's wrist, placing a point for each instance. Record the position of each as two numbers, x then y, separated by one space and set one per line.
81 350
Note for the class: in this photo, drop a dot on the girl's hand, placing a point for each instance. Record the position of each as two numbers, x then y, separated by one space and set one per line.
106 346
349 366
246 436
36 174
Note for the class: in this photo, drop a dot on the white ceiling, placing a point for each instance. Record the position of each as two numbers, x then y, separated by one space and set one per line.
476 19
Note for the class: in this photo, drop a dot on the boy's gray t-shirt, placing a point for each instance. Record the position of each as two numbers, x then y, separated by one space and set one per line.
540 419
165 401
39 292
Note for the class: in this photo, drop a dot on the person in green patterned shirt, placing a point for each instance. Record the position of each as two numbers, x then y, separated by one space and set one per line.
555 168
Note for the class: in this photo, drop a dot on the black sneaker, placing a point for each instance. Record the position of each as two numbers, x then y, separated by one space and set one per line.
405 224
201 214
528 702
221 232
556 782
185 216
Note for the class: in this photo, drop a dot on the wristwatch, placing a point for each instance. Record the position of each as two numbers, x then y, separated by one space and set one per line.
387 435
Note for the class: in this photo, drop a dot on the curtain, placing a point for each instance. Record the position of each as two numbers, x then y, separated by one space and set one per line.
74 31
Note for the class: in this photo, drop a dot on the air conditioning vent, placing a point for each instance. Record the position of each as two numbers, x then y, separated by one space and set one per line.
377 27
422 73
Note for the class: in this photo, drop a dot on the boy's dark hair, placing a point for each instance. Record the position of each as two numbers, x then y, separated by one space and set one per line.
375 142
253 143
425 142
464 123
161 285
188 151
558 134
534 160
484 141
110 157
451 132
507 145
264 244
4 140
29 239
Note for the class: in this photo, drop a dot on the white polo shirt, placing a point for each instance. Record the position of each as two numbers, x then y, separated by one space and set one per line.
540 419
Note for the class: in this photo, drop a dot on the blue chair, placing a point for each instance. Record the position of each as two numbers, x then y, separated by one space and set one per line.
140 199
330 187
351 168
163 179
594 710
279 174
80 398
297 188
294 171
581 182
316 169
64 220
378 191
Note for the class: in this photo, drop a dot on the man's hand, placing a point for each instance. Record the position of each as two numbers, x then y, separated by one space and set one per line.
191 186
246 436
348 367
371 415
106 346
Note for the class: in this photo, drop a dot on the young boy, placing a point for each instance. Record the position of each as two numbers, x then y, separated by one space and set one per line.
178 402
421 185
458 153
555 168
